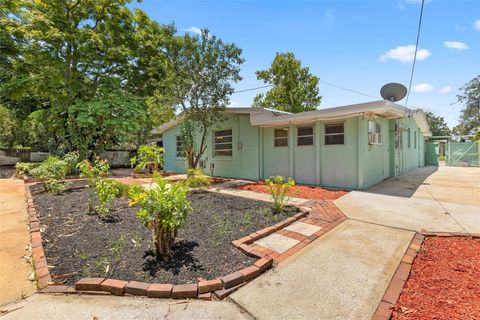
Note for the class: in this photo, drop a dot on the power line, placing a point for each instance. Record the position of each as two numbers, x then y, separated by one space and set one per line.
251 89
415 56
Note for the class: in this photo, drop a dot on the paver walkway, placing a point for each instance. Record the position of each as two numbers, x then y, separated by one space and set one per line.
14 241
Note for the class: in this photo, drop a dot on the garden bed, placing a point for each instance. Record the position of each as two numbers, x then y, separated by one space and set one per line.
299 191
444 281
80 245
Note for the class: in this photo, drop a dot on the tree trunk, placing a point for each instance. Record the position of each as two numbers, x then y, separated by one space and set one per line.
163 240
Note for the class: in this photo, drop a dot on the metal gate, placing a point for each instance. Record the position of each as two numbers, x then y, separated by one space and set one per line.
462 154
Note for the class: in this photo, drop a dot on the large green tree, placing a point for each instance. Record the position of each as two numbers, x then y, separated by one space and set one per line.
203 69
437 124
470 115
59 54
294 88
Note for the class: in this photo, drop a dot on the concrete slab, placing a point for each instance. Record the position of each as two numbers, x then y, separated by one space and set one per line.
303 228
343 275
277 242
14 241
59 307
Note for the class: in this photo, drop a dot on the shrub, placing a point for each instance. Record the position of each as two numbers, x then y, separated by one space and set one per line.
106 190
196 178
51 172
149 158
72 161
93 173
163 210
22 168
279 190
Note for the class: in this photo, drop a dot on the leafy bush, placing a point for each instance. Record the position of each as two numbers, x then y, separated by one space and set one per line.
163 210
51 172
22 168
279 190
196 178
106 190
35 128
149 158
93 173
72 160
8 127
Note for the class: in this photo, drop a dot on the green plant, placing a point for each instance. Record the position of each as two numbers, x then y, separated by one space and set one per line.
51 172
72 160
149 158
196 178
279 190
22 168
163 210
93 173
106 190
222 227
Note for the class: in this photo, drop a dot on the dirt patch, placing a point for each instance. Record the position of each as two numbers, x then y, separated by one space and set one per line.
80 245
305 192
444 281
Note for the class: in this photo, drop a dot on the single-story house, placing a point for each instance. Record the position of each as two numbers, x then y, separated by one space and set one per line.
353 146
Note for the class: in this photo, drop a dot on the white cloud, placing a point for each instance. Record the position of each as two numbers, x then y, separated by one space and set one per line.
446 90
423 87
405 54
194 30
455 45
476 24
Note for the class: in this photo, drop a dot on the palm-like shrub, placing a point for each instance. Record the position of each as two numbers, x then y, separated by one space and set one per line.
149 158
279 189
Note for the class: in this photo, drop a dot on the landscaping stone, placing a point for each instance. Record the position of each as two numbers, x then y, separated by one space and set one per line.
209 285
263 263
157 290
250 272
277 242
303 228
89 284
114 286
137 288
232 279
180 291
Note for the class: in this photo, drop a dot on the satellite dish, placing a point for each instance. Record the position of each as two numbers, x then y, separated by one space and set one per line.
393 92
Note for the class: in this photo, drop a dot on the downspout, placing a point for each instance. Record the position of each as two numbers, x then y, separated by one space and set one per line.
318 143
260 153
361 151
291 150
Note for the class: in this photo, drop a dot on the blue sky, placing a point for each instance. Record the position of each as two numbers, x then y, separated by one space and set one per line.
359 45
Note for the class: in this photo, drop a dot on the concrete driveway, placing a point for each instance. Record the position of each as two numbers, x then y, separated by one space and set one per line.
437 199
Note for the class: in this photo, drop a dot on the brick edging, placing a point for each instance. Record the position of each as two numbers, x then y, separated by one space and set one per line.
401 275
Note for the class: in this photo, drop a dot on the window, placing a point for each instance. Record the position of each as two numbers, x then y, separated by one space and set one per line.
415 139
223 143
280 137
335 133
409 137
305 136
179 147
374 133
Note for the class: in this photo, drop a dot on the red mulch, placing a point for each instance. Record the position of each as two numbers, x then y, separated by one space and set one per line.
305 192
444 283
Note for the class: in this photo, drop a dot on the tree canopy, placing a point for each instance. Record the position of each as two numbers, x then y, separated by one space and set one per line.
469 122
437 124
294 88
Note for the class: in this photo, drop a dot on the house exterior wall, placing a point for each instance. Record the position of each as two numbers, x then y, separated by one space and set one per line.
377 156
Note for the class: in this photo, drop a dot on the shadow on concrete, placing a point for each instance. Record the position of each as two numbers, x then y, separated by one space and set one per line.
404 185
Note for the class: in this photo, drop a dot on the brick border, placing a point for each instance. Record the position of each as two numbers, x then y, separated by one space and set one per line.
402 273
320 213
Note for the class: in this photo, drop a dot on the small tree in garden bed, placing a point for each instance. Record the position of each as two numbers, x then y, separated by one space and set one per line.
93 173
163 210
149 158
279 190
51 172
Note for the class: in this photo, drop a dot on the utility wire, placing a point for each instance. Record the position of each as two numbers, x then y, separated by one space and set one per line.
251 89
415 56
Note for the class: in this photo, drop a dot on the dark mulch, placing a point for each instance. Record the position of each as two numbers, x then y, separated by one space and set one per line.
80 245
444 281
7 172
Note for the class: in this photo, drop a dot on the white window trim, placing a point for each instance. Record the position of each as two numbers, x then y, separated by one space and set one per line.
334 134
306 136
176 148
281 138
375 138
222 143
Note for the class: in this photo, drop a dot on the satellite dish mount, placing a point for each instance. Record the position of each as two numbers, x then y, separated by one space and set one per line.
393 92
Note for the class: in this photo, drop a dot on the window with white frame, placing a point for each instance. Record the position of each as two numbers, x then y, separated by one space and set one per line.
335 133
223 143
180 153
305 136
374 132
280 137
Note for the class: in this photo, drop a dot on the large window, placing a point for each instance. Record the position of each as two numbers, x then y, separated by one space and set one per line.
179 147
334 133
280 137
374 132
223 143
305 136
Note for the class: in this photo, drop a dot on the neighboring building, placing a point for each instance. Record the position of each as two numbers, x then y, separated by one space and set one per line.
354 146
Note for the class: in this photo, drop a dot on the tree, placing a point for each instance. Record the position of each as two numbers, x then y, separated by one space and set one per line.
8 127
470 114
437 124
294 89
203 69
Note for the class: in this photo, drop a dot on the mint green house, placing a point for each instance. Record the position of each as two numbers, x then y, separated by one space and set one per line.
354 146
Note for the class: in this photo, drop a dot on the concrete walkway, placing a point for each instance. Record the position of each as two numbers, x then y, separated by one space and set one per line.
342 275
443 199
14 241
